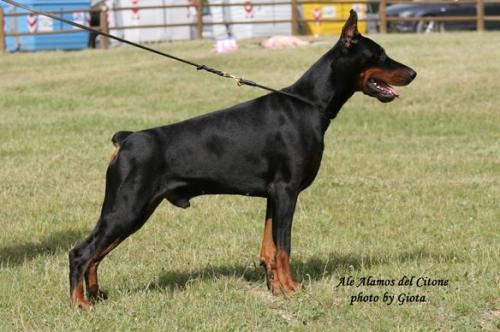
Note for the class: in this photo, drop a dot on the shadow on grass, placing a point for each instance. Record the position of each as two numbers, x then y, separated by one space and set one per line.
60 241
315 268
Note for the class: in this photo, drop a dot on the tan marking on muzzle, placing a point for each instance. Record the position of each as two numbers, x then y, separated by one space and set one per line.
396 77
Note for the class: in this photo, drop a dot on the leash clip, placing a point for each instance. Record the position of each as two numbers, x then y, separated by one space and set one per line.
239 80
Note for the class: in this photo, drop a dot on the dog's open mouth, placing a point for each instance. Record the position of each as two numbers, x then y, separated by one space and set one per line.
381 90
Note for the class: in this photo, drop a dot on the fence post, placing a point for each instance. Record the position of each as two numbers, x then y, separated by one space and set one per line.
104 28
382 16
480 15
2 32
199 19
295 23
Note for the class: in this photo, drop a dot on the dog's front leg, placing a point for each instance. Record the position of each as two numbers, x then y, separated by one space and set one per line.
280 210
268 250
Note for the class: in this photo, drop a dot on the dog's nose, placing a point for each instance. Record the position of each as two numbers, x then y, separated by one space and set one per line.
412 74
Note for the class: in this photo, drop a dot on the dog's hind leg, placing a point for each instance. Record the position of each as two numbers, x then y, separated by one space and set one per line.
109 232
93 290
91 282
127 206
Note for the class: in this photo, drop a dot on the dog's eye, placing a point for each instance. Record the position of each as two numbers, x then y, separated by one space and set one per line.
375 58
379 56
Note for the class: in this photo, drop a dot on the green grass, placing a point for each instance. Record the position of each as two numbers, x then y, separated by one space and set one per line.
407 188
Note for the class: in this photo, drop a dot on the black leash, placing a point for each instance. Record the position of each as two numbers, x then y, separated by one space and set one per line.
239 80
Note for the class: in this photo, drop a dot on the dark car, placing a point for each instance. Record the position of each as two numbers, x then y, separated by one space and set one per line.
428 13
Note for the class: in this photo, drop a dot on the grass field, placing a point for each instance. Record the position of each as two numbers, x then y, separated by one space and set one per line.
410 188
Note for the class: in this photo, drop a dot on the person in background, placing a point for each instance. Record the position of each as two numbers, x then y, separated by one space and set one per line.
95 20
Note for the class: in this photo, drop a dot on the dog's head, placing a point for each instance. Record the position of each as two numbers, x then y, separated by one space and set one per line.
375 72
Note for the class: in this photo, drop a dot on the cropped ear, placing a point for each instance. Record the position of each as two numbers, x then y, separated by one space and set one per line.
350 30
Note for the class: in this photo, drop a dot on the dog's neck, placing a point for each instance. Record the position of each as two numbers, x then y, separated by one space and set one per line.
326 84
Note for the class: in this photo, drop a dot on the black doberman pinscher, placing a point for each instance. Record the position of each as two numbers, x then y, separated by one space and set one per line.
268 147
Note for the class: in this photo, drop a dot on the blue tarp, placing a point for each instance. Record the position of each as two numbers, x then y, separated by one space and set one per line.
38 23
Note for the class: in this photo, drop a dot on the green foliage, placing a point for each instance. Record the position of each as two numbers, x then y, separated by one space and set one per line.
407 188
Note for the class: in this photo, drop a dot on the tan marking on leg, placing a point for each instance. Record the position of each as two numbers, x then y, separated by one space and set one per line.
268 249
277 264
281 268
267 257
93 284
114 153
78 298
284 272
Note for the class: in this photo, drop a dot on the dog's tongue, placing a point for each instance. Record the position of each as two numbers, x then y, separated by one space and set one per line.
386 88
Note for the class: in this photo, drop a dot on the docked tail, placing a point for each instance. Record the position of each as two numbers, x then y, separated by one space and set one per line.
120 136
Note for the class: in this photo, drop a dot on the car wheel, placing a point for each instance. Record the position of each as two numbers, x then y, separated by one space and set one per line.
429 25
